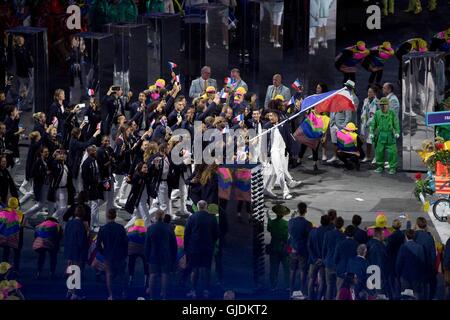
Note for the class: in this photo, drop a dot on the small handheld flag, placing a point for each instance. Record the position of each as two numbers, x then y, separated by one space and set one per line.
177 78
91 92
291 101
224 95
297 84
238 118
172 65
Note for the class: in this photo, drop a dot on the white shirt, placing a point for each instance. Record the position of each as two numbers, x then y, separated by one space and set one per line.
62 108
63 182
277 142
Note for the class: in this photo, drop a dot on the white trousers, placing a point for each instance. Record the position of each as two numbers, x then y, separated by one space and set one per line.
60 206
279 163
123 188
40 204
95 212
164 200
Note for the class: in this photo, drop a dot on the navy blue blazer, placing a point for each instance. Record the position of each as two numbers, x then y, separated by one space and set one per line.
201 233
112 242
358 265
410 263
75 241
345 250
315 243
160 244
378 255
360 236
330 241
299 229
425 239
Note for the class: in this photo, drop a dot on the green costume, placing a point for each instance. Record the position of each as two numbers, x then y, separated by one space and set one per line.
388 7
102 12
155 6
385 127
278 229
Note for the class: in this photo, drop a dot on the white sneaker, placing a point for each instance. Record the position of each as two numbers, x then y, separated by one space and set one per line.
324 157
272 40
277 45
287 197
374 161
365 160
310 157
324 45
294 184
332 159
312 51
297 295
386 165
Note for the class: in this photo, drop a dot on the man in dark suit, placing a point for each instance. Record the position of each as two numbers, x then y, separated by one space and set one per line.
8 185
111 108
330 241
200 236
160 252
360 235
424 238
112 243
410 265
299 229
316 264
378 255
358 266
106 164
393 244
91 183
345 250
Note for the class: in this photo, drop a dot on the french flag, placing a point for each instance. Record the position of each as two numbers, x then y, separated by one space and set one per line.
297 84
291 101
172 65
224 95
228 80
331 101
238 118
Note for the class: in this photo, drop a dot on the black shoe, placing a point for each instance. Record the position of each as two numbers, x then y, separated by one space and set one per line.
316 169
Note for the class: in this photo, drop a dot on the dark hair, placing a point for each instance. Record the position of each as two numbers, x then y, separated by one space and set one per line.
167 218
374 87
421 222
248 96
390 86
348 280
324 220
111 214
79 212
302 207
41 149
75 132
410 234
10 109
356 220
350 231
323 86
179 98
139 167
332 214
339 223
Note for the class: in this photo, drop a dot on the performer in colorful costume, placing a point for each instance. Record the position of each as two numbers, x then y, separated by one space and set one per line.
348 60
349 145
136 241
374 62
411 45
385 130
11 231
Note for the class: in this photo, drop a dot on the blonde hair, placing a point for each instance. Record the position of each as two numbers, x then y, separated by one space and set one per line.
207 173
37 115
34 135
57 93
152 149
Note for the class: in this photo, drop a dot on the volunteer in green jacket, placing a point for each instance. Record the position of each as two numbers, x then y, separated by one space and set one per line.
385 130
278 229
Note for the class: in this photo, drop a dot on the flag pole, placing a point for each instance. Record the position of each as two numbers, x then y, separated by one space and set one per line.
294 116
